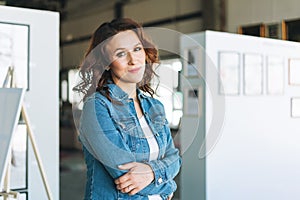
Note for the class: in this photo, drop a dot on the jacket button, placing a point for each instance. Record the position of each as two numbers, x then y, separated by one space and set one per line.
160 180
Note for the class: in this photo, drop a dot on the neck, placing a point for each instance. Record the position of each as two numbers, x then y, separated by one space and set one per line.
129 88
131 91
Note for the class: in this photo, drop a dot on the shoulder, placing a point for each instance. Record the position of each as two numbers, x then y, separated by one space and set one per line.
96 99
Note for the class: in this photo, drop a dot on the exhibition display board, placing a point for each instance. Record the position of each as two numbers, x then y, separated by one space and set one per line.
242 143
30 44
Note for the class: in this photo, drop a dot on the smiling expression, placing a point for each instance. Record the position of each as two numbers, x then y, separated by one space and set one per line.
128 58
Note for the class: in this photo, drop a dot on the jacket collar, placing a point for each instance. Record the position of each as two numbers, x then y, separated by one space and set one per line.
118 94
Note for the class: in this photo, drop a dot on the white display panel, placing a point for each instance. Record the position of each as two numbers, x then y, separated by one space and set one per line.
258 131
41 100
256 155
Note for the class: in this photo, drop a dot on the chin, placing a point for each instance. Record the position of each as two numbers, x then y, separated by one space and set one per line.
135 79
138 81
132 80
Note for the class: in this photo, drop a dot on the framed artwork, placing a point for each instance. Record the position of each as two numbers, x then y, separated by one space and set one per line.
275 75
229 73
193 62
295 107
193 104
14 53
294 72
253 74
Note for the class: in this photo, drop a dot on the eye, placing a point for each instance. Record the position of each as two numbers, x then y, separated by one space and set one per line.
138 48
121 54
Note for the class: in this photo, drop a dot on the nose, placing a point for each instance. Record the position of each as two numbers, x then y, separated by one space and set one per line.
131 58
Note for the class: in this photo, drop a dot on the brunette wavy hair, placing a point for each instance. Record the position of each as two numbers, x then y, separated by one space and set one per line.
92 71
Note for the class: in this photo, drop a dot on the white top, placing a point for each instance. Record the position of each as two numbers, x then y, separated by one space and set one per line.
153 146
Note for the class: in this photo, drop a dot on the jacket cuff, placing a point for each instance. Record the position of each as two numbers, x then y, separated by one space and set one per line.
160 176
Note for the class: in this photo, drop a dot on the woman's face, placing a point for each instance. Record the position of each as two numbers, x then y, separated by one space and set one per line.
127 56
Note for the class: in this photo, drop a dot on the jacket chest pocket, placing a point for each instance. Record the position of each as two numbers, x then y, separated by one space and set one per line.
158 122
128 129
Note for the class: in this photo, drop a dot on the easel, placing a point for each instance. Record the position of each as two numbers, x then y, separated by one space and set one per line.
7 193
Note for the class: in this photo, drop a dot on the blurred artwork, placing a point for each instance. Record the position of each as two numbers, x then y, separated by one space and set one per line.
14 52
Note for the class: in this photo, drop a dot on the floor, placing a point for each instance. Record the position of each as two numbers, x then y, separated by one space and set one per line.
72 176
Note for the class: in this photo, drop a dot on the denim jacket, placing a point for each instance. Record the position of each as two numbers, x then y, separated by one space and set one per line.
111 135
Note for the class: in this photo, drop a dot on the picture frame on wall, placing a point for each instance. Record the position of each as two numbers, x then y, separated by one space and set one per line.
253 74
295 107
193 104
275 75
193 62
229 73
14 53
294 71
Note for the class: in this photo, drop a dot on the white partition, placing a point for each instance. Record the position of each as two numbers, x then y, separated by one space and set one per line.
254 153
41 98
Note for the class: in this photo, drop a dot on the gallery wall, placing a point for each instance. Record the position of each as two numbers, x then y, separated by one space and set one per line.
242 142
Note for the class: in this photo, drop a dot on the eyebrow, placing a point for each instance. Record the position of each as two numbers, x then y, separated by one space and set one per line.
125 48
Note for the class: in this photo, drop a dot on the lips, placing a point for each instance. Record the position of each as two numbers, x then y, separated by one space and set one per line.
134 70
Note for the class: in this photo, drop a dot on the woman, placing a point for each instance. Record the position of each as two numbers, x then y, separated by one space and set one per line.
126 141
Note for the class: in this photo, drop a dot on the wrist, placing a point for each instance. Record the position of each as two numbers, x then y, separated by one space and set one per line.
151 173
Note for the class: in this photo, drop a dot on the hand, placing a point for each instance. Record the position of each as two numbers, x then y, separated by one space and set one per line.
170 197
137 178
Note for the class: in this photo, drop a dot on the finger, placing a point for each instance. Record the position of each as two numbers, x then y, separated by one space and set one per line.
170 197
127 166
134 191
128 189
123 185
122 179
